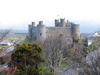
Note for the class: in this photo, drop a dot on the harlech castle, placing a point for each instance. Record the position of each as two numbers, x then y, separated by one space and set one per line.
62 27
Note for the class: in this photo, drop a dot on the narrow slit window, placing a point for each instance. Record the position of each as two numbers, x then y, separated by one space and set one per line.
40 33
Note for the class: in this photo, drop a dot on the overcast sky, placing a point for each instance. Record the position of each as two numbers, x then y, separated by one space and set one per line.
18 13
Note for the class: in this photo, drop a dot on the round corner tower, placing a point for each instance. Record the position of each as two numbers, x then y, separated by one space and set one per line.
41 31
76 31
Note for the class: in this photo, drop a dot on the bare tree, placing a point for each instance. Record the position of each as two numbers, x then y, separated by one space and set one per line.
53 51
3 35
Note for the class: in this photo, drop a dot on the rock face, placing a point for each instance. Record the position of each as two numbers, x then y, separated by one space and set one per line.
71 71
93 57
67 29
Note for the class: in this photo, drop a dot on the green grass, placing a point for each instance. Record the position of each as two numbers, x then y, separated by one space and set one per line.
15 37
63 64
47 69
3 47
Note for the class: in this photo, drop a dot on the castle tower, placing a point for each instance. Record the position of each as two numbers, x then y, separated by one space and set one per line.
41 31
56 23
33 24
30 30
75 31
62 22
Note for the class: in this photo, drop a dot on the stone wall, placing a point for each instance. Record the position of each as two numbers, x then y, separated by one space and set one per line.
67 29
56 31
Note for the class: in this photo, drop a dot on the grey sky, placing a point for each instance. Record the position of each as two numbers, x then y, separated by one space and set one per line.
19 12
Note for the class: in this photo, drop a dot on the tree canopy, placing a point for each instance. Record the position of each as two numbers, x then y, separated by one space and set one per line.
27 58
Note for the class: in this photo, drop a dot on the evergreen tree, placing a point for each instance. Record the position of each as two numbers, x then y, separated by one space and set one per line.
27 58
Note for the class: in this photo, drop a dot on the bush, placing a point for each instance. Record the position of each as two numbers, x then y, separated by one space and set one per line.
2 61
27 58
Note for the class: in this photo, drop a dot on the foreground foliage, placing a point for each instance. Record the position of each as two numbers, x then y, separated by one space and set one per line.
27 59
2 61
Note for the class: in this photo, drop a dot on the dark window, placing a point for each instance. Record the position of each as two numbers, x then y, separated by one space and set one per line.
40 33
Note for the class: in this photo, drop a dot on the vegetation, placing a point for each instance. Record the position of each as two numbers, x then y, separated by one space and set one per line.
2 61
27 58
76 40
4 34
15 37
3 47
57 54
29 39
95 45
53 52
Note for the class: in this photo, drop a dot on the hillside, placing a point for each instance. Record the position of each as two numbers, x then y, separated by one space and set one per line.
14 31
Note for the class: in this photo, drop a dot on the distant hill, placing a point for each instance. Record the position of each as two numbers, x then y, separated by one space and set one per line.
14 31
87 34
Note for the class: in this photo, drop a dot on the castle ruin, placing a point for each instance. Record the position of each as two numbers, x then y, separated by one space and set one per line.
62 27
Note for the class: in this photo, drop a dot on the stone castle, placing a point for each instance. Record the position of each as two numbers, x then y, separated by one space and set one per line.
62 27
